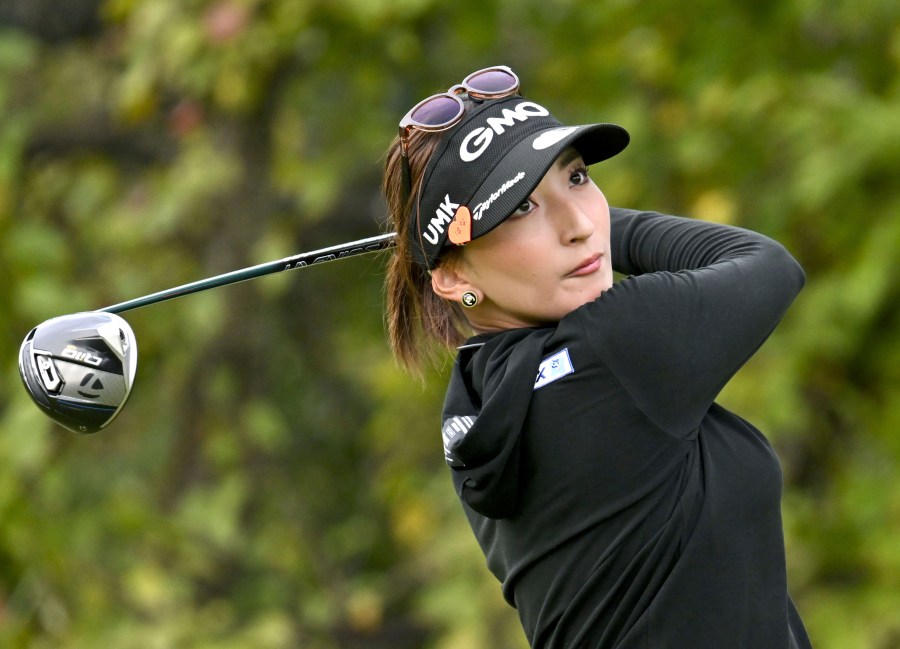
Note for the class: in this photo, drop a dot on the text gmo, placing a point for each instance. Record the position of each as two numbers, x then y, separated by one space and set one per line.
476 142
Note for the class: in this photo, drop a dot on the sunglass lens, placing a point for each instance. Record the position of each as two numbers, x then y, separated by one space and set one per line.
492 81
436 111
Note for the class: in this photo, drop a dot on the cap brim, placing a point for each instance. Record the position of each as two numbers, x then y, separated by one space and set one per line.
514 178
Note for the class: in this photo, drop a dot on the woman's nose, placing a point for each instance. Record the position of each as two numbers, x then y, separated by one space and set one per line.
574 222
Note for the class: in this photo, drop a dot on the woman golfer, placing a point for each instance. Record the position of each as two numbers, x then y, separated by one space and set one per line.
617 503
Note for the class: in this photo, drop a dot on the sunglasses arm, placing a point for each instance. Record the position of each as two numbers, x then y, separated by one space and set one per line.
405 175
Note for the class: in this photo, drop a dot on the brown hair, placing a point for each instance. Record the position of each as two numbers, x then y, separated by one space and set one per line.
419 323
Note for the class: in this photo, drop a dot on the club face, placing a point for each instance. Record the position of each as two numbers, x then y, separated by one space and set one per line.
79 368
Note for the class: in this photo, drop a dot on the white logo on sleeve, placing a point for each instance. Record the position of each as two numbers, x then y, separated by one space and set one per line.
549 138
553 368
454 431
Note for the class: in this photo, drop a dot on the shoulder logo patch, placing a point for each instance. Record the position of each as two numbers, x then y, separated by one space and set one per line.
553 368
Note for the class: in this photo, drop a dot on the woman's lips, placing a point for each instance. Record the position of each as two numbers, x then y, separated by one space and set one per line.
588 266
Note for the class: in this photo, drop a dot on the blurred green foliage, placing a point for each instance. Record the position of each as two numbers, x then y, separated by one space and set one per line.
275 481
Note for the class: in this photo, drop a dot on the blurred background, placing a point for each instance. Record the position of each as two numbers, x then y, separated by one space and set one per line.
275 481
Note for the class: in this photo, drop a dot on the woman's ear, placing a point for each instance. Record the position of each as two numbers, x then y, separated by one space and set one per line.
449 283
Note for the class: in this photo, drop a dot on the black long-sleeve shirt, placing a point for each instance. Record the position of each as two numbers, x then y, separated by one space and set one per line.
618 505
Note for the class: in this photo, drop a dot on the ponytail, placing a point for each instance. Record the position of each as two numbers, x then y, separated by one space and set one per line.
419 323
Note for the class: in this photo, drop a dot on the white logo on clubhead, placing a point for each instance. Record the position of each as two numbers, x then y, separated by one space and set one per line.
548 139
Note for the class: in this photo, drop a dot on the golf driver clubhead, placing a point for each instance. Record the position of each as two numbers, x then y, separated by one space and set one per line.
79 368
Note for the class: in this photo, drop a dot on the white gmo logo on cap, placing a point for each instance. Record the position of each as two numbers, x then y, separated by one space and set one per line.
482 137
549 138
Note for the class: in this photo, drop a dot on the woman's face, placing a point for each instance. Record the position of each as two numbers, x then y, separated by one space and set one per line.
547 259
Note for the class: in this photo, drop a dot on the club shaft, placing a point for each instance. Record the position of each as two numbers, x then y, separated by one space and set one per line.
301 260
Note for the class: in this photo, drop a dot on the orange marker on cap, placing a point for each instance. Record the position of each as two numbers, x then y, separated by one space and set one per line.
460 228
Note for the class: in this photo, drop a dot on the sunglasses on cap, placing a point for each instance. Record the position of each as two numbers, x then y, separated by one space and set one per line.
442 111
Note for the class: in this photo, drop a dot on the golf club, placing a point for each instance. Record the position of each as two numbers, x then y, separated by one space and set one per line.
79 369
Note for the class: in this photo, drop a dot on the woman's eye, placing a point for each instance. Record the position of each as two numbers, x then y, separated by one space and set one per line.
579 176
525 207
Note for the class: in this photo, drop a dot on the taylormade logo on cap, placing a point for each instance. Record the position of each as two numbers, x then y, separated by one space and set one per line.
485 205
478 140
